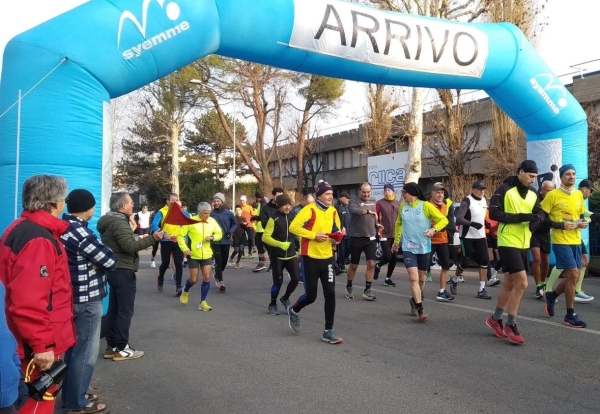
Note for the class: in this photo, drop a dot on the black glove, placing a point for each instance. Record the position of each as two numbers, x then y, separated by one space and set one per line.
476 225
532 218
533 225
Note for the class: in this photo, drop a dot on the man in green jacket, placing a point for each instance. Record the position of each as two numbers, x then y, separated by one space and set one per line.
117 234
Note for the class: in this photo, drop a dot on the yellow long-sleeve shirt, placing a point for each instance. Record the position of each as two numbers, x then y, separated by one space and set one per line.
312 220
198 233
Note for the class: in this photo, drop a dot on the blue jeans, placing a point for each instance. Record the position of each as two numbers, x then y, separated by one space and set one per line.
82 357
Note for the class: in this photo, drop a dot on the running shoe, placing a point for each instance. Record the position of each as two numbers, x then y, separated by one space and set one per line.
550 302
294 320
494 281
453 268
413 307
204 306
494 273
496 326
238 266
436 267
259 267
453 287
152 263
285 302
513 334
539 292
331 337
230 264
222 287
217 283
428 277
461 279
482 294
444 296
368 295
377 270
422 316
273 311
178 292
581 297
389 283
573 321
250 256
349 294
159 287
344 270
184 297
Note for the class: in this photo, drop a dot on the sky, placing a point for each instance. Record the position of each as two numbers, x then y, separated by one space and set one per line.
567 40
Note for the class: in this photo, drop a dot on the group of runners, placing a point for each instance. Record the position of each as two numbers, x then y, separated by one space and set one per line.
304 242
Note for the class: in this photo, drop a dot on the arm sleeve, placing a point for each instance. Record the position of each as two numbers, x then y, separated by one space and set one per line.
398 226
183 232
124 238
217 232
496 209
451 220
233 224
30 294
267 235
460 214
264 216
355 208
156 222
297 225
433 214
93 250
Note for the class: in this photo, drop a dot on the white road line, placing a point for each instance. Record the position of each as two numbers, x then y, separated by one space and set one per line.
473 308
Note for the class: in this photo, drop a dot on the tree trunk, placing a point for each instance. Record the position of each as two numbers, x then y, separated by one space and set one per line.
175 158
301 144
415 138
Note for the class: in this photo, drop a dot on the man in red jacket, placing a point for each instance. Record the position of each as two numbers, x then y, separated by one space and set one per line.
35 271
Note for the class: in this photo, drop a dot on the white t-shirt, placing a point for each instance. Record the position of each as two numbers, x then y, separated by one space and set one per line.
478 209
144 219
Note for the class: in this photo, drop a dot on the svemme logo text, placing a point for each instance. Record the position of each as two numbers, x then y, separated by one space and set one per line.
172 11
544 83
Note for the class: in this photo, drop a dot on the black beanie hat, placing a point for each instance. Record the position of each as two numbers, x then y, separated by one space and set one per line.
283 199
529 166
414 190
80 200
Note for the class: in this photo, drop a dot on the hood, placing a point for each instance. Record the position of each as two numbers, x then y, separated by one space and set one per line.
109 218
513 180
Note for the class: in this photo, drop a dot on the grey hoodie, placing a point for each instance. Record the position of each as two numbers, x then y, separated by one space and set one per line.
116 234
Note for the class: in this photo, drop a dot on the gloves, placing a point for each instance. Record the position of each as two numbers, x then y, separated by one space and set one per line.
532 218
337 237
476 225
285 245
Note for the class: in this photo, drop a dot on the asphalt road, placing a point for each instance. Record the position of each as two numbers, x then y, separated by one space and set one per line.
238 359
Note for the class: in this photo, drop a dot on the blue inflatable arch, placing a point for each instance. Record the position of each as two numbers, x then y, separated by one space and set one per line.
68 69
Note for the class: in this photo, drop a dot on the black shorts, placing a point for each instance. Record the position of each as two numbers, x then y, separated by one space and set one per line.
443 255
513 260
492 242
360 244
540 241
583 248
477 249
142 232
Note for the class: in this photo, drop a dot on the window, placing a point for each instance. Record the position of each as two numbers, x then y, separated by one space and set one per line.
348 158
331 160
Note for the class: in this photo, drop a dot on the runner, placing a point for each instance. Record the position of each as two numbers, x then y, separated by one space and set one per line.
415 227
201 235
565 207
518 210
247 213
269 210
540 247
363 222
471 218
387 212
586 188
220 248
439 242
261 203
239 237
283 252
314 224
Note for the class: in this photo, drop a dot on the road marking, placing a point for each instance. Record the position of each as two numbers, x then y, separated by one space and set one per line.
486 311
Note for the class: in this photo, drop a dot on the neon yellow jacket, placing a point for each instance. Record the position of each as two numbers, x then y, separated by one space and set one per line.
197 233
312 220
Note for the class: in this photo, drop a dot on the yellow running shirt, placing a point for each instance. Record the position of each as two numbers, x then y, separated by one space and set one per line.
562 207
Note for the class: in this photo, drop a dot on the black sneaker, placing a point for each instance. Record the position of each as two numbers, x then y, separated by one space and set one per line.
377 270
273 311
482 294
444 297
389 283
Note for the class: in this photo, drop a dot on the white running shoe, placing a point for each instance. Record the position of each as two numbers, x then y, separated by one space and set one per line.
493 281
581 297
152 263
461 279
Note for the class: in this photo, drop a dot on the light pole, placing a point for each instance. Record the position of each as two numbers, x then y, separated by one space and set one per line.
199 82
